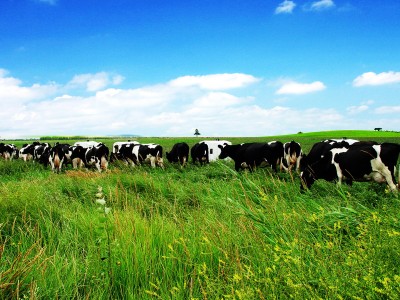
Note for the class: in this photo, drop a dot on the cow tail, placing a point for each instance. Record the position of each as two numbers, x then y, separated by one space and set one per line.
398 181
103 163
56 162
184 159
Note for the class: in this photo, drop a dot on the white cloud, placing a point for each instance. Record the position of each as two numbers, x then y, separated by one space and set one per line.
371 78
322 5
296 88
215 100
352 110
163 109
388 110
95 82
286 7
215 81
51 2
12 91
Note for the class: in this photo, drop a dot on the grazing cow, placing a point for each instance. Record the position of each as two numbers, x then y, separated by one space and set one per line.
87 144
67 149
275 154
92 156
343 140
252 155
292 155
137 154
27 151
41 153
358 162
152 155
179 154
199 153
56 157
8 151
116 154
213 150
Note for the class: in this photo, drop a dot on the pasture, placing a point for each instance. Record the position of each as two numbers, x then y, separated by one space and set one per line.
197 233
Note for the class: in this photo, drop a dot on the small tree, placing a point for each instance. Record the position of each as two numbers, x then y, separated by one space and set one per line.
196 132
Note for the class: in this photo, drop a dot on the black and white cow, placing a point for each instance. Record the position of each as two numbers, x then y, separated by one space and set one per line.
116 150
292 154
137 154
8 151
67 149
252 155
152 154
178 154
27 151
275 154
92 156
57 157
41 153
361 161
342 140
199 153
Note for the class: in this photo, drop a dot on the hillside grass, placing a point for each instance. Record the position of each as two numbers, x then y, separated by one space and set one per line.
197 233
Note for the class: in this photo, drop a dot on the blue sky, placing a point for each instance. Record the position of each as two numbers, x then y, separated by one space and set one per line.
228 68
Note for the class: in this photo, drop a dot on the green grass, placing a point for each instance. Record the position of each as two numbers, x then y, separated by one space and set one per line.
197 233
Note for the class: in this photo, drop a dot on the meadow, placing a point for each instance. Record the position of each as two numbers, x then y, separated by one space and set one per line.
196 233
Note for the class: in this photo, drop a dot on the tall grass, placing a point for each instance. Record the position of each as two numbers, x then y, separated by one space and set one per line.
197 233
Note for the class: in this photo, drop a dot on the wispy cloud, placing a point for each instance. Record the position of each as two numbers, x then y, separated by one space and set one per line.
95 82
286 7
50 2
215 81
216 104
371 78
388 110
172 108
321 5
353 110
12 90
296 88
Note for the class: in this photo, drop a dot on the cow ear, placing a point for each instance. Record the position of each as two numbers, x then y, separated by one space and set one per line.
220 147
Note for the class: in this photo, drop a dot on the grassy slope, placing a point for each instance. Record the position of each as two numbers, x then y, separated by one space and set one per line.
195 233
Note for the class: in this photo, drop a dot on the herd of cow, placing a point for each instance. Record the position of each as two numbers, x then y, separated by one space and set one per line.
338 160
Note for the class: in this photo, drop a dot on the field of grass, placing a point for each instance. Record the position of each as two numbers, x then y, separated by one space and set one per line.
197 233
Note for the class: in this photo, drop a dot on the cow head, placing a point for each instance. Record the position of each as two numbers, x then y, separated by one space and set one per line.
160 162
224 151
171 158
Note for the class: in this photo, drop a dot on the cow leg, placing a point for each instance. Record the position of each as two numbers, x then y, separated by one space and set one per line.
238 166
339 174
298 164
284 164
380 167
184 158
389 179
